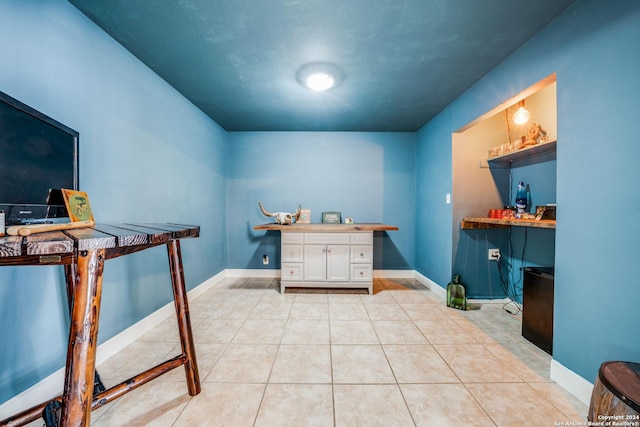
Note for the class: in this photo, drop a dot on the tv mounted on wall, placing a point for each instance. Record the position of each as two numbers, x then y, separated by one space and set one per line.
38 155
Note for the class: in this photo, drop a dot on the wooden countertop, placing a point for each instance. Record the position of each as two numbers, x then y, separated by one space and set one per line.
327 227
474 223
59 247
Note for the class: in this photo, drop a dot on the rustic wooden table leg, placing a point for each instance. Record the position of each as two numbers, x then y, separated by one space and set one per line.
83 339
184 320
70 275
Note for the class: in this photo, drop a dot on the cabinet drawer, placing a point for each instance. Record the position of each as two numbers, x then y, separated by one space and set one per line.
362 238
361 272
362 254
291 253
288 237
291 271
327 238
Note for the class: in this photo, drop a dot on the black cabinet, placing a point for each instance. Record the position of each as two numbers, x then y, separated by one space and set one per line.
537 310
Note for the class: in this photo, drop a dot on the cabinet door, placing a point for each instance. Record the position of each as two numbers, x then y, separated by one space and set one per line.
338 263
315 263
291 253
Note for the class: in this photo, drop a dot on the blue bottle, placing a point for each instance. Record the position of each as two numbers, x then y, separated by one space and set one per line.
521 199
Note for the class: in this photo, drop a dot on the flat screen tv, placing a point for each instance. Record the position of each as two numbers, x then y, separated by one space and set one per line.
38 156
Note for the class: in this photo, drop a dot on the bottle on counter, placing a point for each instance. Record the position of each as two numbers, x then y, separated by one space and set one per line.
521 199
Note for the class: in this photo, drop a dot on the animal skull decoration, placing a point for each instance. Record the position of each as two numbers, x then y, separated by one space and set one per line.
283 218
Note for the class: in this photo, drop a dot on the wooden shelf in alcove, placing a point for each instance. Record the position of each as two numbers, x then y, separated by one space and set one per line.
470 223
535 150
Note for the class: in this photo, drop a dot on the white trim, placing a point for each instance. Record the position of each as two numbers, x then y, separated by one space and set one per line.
42 391
570 381
276 274
52 385
431 285
258 272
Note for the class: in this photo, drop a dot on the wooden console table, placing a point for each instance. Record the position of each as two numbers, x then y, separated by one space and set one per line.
83 252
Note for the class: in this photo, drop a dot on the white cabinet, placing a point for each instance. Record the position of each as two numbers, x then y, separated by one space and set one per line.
332 259
292 256
315 267
326 262
337 263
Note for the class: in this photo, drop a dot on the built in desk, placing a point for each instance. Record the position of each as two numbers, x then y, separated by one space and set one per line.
83 253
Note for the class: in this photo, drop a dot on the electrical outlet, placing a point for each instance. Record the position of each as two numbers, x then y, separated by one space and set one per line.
494 254
265 259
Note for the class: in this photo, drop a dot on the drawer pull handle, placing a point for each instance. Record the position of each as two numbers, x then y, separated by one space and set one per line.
361 254
362 273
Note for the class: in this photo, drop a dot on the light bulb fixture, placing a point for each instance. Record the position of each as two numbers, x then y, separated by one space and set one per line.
320 81
319 76
521 116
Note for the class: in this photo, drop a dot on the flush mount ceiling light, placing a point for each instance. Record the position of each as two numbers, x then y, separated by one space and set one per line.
319 76
521 116
320 81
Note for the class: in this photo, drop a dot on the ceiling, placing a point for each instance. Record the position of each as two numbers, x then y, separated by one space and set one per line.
402 61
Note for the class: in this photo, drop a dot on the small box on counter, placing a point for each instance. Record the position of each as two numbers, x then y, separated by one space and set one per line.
305 216
546 212
331 217
549 212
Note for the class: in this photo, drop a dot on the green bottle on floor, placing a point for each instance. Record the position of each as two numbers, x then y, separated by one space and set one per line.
456 294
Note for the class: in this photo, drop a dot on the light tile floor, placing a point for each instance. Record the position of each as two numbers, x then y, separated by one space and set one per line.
399 357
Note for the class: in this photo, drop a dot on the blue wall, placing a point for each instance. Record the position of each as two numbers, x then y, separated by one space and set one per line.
433 183
593 48
149 155
367 176
146 154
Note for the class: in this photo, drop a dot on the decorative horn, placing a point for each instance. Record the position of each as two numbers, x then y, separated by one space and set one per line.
297 214
264 211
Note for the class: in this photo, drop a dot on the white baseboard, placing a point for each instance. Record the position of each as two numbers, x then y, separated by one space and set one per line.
570 381
431 285
258 272
52 385
46 389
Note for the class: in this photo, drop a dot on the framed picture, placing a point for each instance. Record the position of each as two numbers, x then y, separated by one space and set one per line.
331 217
305 216
77 203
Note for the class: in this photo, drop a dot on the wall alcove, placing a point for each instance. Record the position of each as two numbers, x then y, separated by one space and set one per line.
481 183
